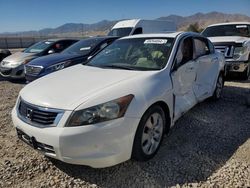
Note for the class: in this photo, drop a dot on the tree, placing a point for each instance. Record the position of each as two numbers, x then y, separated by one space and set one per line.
194 28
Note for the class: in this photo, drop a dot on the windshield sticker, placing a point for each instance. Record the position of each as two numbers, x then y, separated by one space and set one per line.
85 48
155 41
241 26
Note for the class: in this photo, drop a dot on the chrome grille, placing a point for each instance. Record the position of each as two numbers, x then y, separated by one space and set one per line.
35 115
226 50
33 70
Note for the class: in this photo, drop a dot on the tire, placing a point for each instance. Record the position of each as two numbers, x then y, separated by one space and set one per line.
219 88
149 134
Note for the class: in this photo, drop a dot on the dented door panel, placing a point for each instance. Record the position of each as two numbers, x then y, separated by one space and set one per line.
183 82
207 73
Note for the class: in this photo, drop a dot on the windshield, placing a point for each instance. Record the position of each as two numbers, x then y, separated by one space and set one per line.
227 30
82 47
38 47
135 54
120 32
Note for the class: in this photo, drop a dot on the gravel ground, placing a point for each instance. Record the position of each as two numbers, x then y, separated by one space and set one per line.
208 147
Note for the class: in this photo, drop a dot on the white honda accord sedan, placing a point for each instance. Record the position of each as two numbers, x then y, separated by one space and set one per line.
121 103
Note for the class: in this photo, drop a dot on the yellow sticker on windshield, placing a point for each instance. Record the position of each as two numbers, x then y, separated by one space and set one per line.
155 41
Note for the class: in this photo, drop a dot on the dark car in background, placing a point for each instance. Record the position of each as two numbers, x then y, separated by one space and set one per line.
13 65
4 53
75 54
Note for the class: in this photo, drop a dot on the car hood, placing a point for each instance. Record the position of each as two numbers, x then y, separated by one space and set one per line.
52 59
236 39
68 88
18 57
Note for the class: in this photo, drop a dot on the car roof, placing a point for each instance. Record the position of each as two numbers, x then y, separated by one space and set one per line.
60 39
230 23
163 35
99 38
102 37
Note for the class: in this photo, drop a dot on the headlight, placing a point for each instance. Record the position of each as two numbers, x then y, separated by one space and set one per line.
99 113
58 66
238 51
12 64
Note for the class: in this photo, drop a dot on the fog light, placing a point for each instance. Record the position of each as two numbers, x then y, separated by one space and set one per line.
236 67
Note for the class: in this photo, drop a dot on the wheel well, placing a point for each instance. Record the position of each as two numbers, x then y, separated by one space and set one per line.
165 108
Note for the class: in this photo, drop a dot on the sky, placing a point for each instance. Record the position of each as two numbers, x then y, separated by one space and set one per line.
25 15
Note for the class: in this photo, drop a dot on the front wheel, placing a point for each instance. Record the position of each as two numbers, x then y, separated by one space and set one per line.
219 87
149 134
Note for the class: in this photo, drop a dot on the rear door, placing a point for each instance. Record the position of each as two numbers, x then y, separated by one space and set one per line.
207 68
183 78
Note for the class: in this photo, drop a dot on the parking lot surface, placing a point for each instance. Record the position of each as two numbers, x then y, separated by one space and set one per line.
208 147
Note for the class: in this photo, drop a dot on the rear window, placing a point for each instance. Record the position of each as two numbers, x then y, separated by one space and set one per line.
227 30
120 32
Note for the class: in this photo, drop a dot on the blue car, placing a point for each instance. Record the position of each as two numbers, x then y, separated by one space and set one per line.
75 54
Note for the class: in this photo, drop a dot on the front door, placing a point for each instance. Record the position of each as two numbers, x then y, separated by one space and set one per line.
207 69
183 78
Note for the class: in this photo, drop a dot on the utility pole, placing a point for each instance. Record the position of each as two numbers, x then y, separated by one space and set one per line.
82 30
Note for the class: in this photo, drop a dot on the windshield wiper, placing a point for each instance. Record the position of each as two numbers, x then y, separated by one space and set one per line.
118 67
125 67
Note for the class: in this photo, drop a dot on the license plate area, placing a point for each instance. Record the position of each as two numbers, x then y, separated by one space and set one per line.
27 139
31 141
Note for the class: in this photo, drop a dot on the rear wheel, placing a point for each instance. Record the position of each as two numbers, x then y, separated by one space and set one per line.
219 87
149 134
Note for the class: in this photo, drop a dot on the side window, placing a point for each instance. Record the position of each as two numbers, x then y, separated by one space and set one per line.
57 47
201 48
67 43
137 31
185 52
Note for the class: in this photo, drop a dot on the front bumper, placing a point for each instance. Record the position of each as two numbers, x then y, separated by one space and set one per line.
31 78
16 73
234 66
100 145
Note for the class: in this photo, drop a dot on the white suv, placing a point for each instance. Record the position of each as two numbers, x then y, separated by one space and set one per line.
233 40
122 102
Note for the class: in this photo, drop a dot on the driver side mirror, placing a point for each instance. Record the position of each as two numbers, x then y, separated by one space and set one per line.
51 51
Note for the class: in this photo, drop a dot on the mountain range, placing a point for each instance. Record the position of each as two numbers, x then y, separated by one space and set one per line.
102 27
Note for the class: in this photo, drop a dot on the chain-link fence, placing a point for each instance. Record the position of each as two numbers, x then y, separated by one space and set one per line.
23 42
18 42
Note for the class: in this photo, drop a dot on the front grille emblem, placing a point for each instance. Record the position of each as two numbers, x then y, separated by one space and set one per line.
29 114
